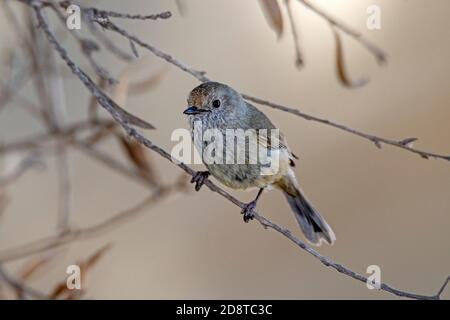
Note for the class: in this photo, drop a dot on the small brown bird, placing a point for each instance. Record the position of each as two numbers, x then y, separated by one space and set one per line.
218 107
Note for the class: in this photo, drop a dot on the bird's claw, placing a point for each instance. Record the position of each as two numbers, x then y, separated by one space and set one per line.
199 179
248 211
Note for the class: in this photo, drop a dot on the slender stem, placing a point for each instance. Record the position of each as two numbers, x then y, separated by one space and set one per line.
403 144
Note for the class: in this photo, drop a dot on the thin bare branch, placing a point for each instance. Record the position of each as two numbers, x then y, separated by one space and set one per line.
68 133
113 14
115 110
379 54
201 76
441 290
10 93
113 164
108 25
25 164
88 47
73 235
20 287
299 62
378 141
108 44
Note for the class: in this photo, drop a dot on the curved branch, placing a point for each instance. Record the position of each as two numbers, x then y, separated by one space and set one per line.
377 52
404 144
65 238
266 223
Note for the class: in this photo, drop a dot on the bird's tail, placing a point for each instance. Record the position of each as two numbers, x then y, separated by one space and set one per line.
311 222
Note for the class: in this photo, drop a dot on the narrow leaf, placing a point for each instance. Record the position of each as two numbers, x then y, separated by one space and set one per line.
340 65
95 258
60 291
272 12
138 155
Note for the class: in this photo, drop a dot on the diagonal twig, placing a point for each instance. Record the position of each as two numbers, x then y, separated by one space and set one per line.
377 52
298 52
201 76
73 235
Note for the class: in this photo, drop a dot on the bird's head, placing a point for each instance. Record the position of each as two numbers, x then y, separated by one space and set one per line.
212 97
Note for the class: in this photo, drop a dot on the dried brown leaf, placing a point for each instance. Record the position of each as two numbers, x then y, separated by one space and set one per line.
272 12
340 65
61 291
138 155
135 152
92 260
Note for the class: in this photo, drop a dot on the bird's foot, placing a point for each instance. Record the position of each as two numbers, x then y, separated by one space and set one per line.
248 211
199 179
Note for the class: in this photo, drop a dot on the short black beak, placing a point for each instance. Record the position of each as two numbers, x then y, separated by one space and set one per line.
194 110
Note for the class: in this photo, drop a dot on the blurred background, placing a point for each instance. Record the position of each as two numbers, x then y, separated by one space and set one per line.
387 207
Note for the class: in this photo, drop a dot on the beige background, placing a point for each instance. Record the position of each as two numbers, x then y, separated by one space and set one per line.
387 207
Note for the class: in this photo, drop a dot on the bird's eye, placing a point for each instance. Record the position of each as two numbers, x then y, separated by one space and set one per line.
216 103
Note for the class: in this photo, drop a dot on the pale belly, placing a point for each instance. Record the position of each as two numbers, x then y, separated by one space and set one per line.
252 174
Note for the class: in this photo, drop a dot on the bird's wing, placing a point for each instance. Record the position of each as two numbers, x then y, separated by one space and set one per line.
276 143
260 121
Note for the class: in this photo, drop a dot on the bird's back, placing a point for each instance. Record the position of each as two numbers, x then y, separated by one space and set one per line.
246 175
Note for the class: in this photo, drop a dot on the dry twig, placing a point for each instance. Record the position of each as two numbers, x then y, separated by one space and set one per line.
73 235
298 53
201 76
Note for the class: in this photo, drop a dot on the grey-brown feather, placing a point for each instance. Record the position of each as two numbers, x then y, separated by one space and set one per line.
235 113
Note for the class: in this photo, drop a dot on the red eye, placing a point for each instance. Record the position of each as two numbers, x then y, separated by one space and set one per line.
216 103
